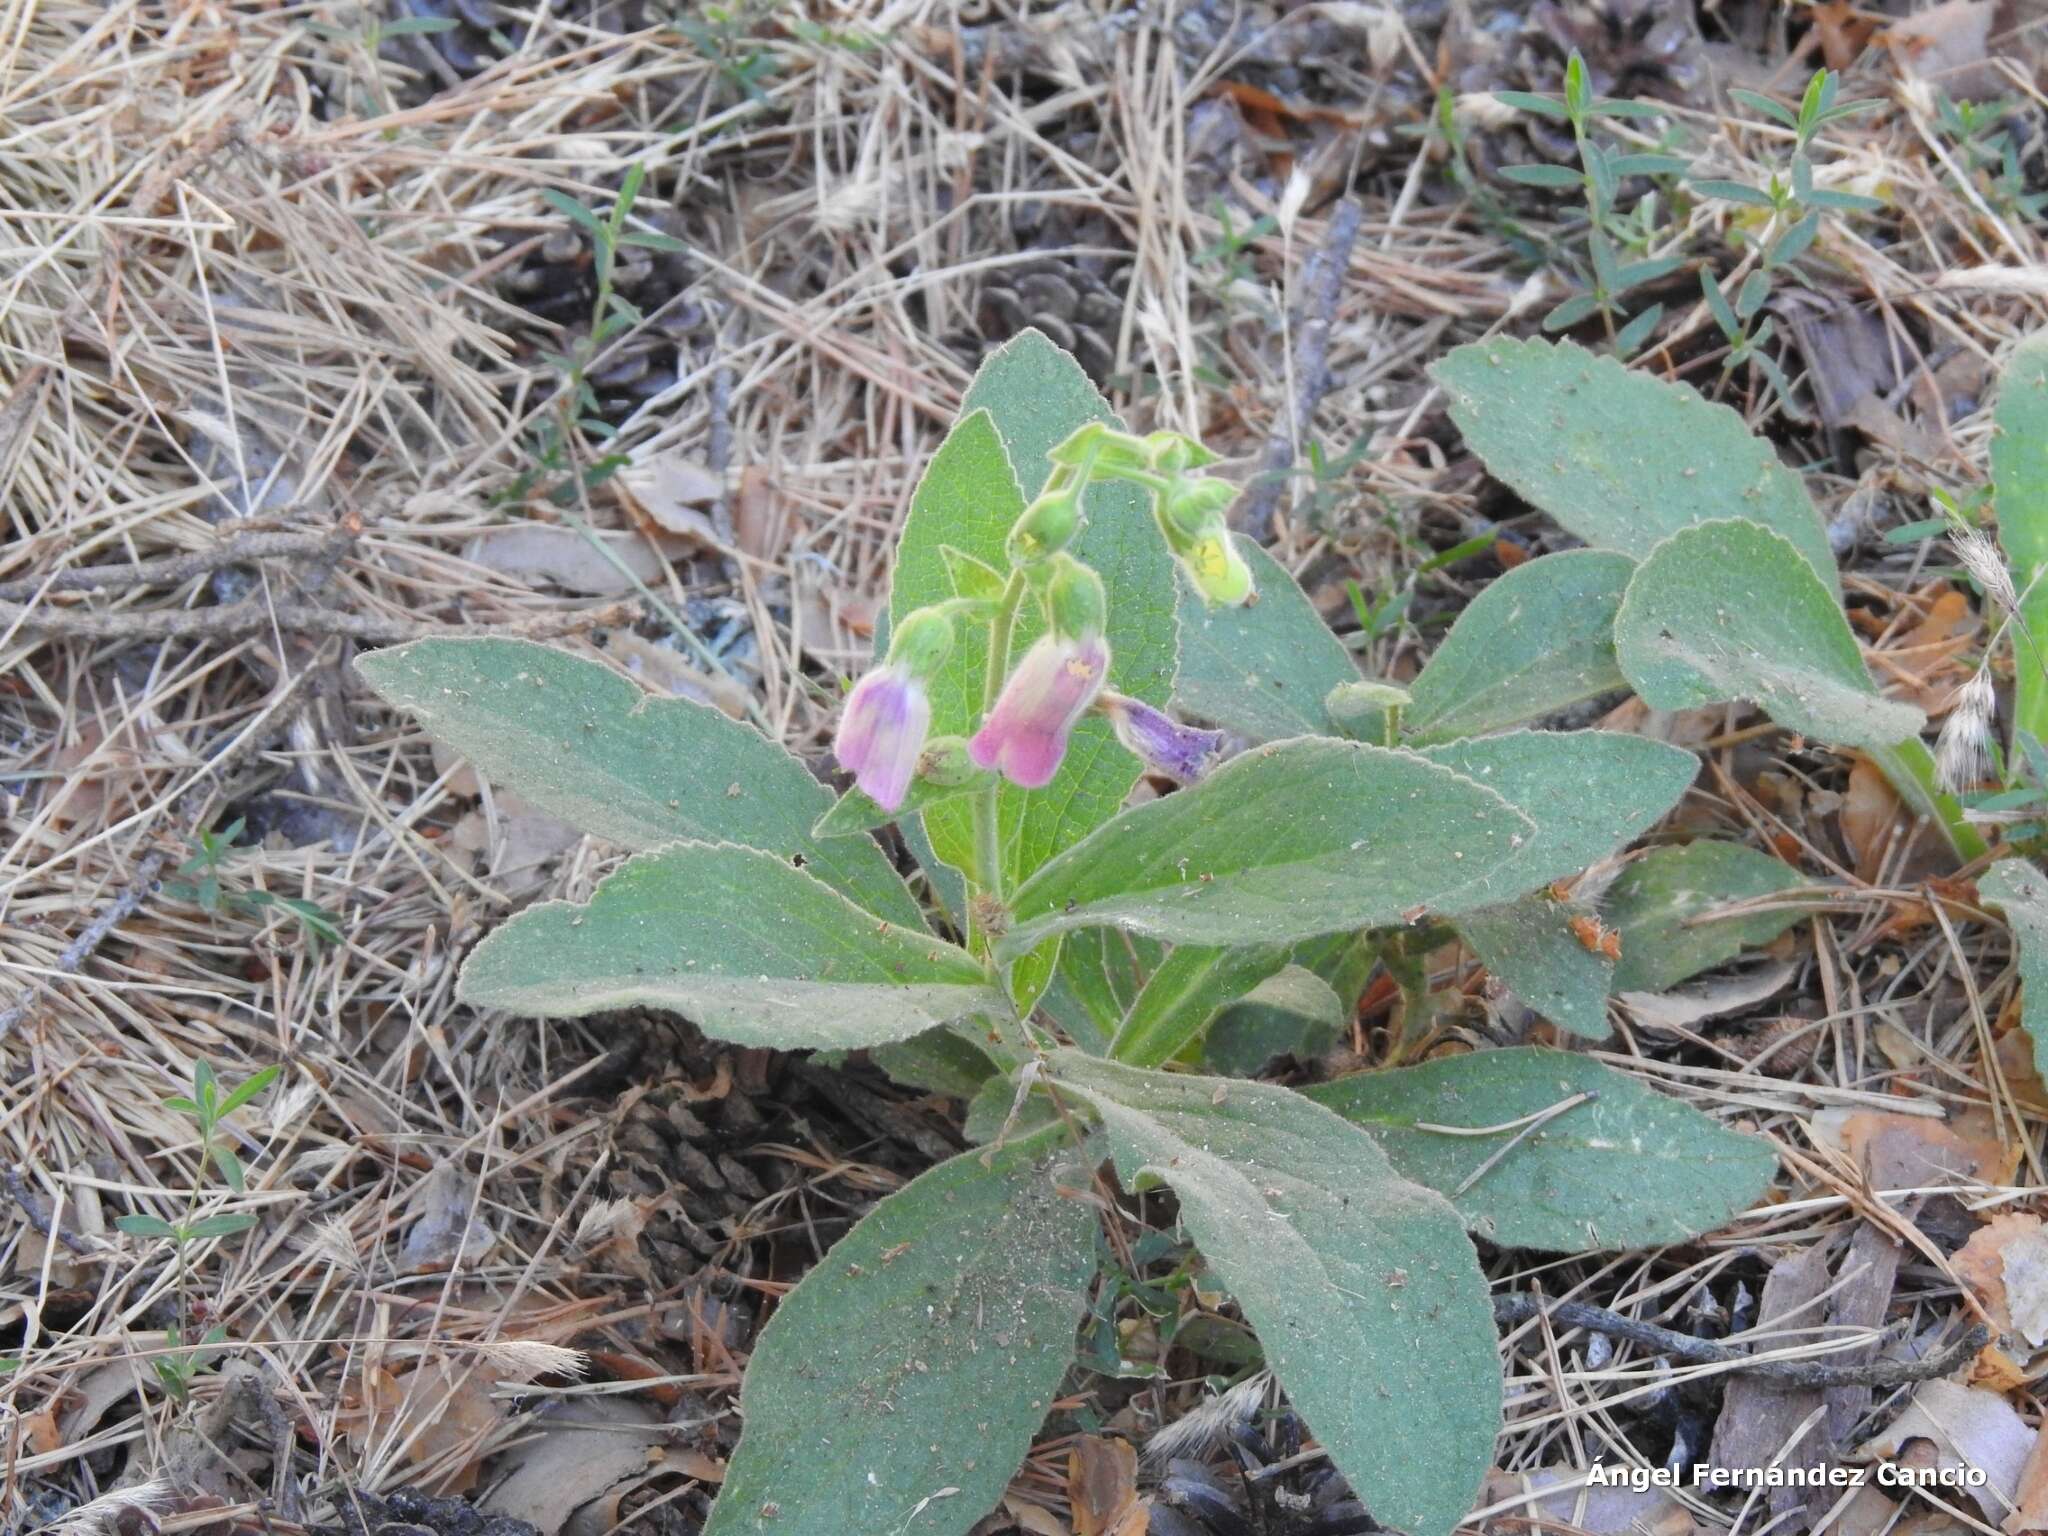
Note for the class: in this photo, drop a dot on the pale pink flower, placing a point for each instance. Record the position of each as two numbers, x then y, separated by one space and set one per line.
1025 735
881 733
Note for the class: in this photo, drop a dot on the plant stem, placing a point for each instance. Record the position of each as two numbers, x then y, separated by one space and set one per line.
988 861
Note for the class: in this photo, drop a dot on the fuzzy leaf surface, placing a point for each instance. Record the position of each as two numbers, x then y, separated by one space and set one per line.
1291 840
751 948
1181 997
1727 610
1588 792
587 745
1261 670
1621 458
1536 640
1629 1169
898 1386
1529 946
1660 904
1367 1296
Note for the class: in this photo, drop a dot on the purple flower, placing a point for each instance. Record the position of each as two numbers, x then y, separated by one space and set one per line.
1182 752
882 732
1025 735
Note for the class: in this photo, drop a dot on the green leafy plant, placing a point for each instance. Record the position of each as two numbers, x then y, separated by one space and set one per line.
1988 154
200 881
552 447
1786 221
1619 254
184 1356
1065 598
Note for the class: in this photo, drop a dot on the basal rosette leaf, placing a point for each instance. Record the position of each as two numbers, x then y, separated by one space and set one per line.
587 745
1628 1167
1367 1297
743 943
1288 841
898 1387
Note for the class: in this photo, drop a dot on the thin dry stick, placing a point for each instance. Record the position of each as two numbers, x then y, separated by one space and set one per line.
257 616
1520 1307
1322 282
181 568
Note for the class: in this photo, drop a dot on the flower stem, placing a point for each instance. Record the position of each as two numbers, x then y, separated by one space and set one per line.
988 863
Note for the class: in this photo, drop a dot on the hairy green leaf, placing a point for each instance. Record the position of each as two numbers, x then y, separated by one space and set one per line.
1262 670
1529 946
1288 841
897 1388
1616 455
2020 891
1293 1012
1185 993
1662 906
1727 610
1100 974
1589 793
1629 1168
1538 639
748 946
587 745
1367 1298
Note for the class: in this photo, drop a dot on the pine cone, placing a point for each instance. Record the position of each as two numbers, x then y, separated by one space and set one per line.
1632 48
1071 293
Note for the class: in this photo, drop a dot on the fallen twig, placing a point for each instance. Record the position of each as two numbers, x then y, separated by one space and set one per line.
1322 282
255 615
1814 1374
170 571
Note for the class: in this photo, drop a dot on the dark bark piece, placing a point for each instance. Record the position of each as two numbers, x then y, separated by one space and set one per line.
1756 1420
1869 1269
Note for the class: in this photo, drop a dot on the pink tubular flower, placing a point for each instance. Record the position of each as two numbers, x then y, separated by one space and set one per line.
881 733
1025 735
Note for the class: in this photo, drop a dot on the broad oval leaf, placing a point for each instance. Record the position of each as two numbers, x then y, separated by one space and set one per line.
1663 906
1727 610
1262 670
1588 792
1366 1294
1620 457
1290 840
587 745
1629 1168
898 1387
1538 639
750 947
2020 891
1530 947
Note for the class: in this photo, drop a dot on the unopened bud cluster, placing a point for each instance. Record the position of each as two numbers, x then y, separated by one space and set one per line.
1063 674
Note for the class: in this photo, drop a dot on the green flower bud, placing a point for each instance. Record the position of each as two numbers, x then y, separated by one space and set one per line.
1173 453
922 643
945 763
1045 527
1193 506
1360 710
1076 602
1217 569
